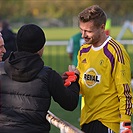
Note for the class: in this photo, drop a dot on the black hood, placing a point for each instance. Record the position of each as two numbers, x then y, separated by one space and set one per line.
23 66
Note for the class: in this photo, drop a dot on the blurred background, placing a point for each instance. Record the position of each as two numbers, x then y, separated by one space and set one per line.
60 13
58 18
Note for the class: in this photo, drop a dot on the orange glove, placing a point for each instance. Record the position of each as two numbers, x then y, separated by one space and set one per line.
71 78
125 127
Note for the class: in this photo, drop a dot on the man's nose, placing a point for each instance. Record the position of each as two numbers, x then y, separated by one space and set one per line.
84 34
4 50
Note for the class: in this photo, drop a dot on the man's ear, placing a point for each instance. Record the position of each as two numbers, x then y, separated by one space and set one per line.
103 26
40 52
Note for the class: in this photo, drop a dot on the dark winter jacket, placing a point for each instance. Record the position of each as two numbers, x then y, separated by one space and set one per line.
25 94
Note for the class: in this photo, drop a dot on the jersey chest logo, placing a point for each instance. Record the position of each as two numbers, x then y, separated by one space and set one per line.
91 78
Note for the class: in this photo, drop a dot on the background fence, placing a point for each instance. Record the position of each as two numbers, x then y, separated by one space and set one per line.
55 54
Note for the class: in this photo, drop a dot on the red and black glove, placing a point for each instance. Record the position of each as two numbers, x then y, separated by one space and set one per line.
69 77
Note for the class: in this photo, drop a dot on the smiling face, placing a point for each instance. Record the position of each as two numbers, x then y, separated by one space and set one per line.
92 22
2 48
91 33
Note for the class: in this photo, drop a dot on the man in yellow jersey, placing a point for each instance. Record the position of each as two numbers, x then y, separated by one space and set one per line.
105 77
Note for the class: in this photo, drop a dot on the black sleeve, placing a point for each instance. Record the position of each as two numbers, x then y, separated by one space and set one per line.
66 97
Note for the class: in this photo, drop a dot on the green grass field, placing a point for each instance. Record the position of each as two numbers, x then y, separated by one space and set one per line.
57 58
66 33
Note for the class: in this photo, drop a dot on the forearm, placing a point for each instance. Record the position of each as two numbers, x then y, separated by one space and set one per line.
125 98
66 97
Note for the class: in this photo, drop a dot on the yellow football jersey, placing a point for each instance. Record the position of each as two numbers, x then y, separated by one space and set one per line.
105 78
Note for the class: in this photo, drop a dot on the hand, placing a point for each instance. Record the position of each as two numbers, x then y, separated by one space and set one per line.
64 76
71 78
73 69
125 127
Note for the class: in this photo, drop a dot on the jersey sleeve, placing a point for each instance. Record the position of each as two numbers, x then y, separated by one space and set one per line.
122 77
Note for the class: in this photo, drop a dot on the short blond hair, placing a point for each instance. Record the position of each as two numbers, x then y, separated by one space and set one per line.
93 13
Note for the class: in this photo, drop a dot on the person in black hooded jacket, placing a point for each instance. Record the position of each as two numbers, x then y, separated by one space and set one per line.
27 85
9 38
